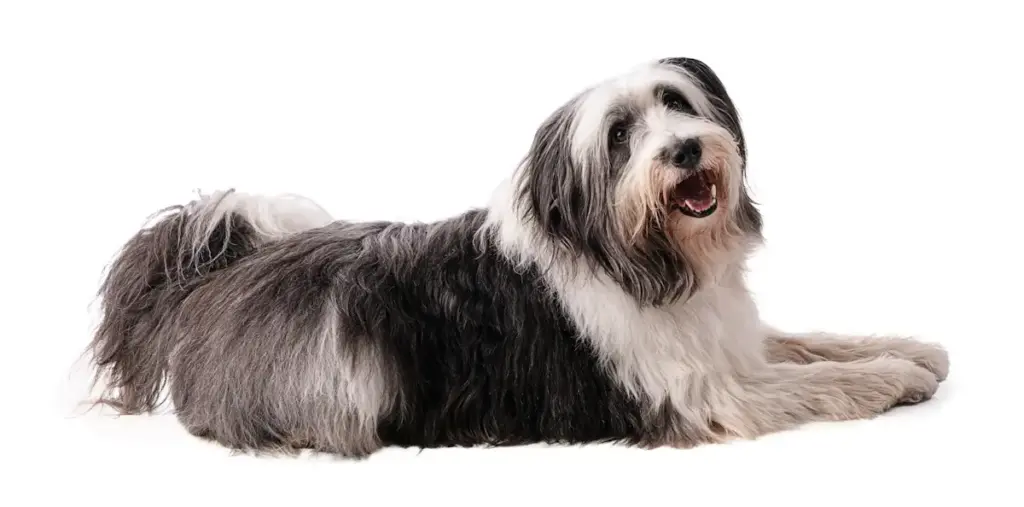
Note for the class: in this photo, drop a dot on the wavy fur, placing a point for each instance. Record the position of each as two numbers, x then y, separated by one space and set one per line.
578 307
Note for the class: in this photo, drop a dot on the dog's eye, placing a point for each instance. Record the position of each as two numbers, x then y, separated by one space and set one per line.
619 133
676 102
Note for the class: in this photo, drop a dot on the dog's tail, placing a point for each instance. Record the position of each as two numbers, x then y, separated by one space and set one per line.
159 266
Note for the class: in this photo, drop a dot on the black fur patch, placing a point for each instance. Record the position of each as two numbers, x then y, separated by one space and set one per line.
485 353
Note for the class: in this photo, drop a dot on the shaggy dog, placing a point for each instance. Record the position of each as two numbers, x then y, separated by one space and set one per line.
599 297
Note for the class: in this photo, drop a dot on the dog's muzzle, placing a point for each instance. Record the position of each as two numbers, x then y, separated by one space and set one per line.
696 194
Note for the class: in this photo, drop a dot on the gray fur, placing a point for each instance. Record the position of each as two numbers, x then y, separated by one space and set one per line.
787 395
173 255
545 318
806 348
266 364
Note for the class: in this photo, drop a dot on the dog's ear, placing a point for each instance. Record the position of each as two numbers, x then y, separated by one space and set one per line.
547 189
574 211
717 96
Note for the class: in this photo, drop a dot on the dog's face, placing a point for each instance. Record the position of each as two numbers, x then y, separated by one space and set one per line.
644 176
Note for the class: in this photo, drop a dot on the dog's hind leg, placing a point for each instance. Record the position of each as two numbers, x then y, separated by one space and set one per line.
806 348
270 364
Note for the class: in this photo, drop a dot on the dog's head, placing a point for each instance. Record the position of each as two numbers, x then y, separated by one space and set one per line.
643 176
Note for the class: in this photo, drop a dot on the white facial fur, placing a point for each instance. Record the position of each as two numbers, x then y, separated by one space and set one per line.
636 87
644 181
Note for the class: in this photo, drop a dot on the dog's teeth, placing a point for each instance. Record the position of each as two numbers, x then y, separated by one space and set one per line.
714 192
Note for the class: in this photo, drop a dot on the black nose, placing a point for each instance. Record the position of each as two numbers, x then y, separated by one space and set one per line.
687 154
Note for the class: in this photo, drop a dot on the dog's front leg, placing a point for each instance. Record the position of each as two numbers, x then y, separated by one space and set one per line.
781 396
806 348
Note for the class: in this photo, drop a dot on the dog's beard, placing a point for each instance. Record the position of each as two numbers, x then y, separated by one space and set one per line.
656 197
690 211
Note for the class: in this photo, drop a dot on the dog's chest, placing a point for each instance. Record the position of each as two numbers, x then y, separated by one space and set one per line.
659 351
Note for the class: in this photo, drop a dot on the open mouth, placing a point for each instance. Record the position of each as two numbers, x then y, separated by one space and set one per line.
696 196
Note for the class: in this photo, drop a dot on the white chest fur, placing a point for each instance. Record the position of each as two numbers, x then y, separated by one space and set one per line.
677 353
670 353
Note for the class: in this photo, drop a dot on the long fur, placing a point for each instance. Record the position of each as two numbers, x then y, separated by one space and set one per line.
158 267
577 307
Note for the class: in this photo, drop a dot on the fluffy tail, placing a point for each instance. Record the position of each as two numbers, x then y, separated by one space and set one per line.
158 267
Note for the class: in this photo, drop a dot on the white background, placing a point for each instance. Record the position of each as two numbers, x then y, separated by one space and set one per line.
884 147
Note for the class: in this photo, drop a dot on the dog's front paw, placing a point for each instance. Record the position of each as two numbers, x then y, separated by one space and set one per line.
919 384
929 356
935 359
892 381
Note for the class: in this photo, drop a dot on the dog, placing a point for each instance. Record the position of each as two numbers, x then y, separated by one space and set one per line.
598 297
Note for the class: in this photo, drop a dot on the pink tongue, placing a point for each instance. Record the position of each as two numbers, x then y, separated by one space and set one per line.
696 193
701 203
